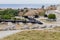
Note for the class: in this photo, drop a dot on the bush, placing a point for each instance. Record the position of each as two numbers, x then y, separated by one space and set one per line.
8 13
6 17
51 16
42 13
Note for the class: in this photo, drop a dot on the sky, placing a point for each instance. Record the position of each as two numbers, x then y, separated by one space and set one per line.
29 1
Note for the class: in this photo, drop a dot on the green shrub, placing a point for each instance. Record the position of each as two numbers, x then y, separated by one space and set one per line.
6 17
51 16
8 13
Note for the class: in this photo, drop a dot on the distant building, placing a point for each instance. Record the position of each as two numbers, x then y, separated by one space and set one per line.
58 7
52 7
50 12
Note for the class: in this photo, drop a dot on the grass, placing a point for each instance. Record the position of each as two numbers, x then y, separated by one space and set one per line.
34 35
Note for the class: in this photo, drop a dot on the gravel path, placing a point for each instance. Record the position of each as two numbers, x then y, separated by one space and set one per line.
7 33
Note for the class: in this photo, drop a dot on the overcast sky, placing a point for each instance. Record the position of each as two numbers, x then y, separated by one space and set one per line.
29 1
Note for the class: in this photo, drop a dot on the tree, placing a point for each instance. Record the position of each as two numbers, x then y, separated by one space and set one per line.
43 6
51 16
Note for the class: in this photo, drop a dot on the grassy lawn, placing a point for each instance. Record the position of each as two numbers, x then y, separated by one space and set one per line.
34 35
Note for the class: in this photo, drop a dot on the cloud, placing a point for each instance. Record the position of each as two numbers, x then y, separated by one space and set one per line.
29 1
